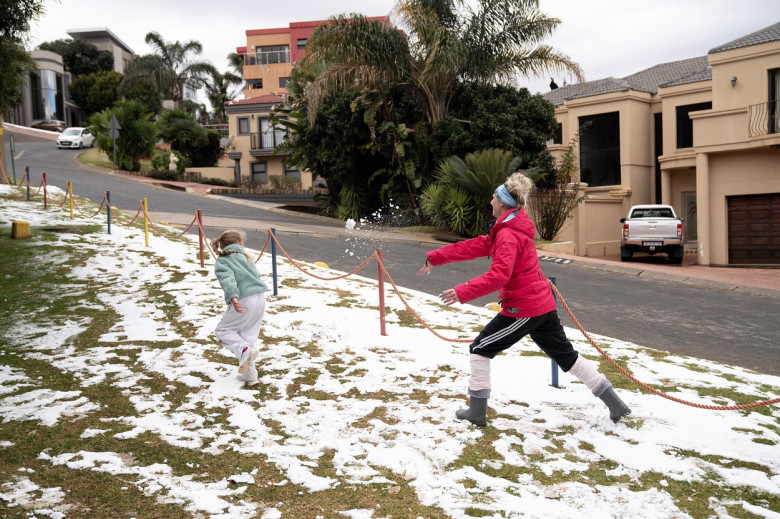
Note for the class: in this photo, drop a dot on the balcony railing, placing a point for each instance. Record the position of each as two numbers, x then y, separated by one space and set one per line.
266 141
764 118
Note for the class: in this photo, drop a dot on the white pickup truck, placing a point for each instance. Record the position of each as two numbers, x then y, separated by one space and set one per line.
652 229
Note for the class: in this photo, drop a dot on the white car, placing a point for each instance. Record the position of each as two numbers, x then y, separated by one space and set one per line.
75 137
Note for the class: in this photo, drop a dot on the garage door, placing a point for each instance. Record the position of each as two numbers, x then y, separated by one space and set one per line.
754 229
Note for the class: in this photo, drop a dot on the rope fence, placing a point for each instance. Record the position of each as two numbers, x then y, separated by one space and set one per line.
382 273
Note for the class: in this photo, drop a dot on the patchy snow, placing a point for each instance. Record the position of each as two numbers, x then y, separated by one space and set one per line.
383 404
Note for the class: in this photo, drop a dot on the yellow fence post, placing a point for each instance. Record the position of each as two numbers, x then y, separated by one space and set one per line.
20 230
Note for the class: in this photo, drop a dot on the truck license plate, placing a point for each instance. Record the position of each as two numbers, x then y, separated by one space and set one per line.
652 244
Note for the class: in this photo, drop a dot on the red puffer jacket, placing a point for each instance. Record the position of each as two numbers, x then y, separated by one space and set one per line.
514 269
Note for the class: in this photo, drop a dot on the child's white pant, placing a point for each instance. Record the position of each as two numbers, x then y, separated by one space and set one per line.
237 330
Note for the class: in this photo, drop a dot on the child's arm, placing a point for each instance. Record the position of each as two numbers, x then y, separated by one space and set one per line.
227 280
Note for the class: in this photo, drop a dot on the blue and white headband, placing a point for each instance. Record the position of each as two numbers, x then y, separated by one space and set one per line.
502 193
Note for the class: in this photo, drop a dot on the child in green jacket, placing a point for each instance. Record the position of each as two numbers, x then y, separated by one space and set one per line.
245 295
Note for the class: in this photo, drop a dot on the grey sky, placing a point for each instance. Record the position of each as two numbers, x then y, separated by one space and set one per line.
606 37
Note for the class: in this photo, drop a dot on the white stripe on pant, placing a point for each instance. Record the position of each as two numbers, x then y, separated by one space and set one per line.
237 330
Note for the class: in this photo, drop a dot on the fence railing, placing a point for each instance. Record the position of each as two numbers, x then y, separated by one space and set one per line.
764 118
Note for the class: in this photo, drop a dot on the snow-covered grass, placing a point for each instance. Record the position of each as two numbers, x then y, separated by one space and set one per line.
117 401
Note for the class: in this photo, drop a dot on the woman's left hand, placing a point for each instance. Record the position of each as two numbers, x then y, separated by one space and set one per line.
449 297
425 270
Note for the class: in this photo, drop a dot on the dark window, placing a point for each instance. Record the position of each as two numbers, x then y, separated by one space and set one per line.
685 124
273 54
36 96
255 83
600 149
659 150
558 134
243 125
301 43
291 171
774 101
283 82
259 171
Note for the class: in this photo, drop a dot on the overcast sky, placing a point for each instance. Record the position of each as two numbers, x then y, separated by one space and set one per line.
606 37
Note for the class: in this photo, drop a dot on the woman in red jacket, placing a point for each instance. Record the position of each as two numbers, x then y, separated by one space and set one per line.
527 304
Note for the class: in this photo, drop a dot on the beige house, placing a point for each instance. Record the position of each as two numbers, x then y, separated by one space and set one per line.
701 134
253 138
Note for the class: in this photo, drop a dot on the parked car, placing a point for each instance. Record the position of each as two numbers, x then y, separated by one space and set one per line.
75 137
52 125
652 228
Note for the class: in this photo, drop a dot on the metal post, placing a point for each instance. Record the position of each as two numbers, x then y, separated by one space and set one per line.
381 278
554 365
273 260
45 195
27 180
108 210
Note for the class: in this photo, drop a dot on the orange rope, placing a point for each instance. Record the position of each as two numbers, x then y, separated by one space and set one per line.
314 275
92 215
158 231
51 199
208 245
645 386
416 316
114 213
267 240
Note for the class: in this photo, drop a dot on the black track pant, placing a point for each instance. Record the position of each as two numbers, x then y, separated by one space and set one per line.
545 330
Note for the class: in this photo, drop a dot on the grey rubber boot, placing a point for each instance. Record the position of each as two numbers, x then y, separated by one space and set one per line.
476 413
617 408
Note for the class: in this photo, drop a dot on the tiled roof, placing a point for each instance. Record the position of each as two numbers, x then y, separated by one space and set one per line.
259 100
765 35
650 79
666 74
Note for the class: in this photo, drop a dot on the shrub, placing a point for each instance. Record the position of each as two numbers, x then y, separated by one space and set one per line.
283 184
460 198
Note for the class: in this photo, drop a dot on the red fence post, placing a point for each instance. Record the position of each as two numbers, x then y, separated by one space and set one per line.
381 278
199 216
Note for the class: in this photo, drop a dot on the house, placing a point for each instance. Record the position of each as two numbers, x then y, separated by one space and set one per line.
253 139
103 39
701 134
270 55
45 93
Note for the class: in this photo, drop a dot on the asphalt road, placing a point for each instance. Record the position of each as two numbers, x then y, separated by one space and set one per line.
703 322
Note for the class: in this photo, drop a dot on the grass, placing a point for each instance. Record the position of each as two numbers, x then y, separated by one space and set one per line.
38 274
97 158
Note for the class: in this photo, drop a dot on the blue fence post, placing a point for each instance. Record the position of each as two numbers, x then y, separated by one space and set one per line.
27 180
554 366
108 210
273 259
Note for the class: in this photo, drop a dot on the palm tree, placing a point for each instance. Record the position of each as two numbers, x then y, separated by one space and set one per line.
445 41
460 200
177 65
218 92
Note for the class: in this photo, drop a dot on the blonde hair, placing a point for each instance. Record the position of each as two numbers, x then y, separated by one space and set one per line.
520 187
228 238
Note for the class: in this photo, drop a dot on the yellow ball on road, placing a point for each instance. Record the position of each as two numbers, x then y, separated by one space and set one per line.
321 264
493 306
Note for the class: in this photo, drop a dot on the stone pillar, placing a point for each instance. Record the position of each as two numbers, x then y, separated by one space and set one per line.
580 221
666 187
703 207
